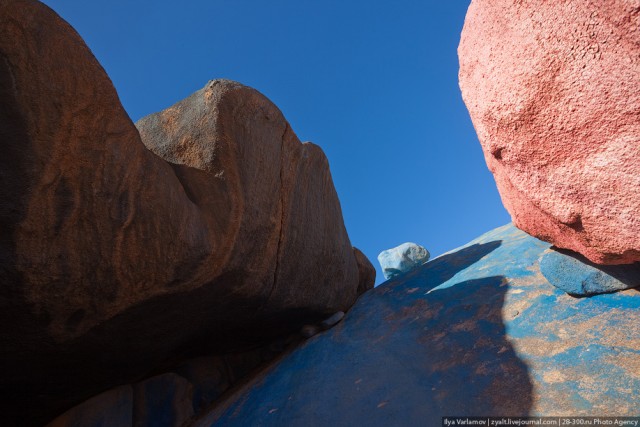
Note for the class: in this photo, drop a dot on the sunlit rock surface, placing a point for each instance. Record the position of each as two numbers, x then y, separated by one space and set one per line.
401 259
116 262
477 331
552 90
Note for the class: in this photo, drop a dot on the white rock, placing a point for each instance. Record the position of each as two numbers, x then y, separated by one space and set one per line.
401 259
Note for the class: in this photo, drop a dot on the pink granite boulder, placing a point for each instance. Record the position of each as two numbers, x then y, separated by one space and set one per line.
552 90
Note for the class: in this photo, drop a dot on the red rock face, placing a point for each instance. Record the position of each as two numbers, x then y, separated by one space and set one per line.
553 92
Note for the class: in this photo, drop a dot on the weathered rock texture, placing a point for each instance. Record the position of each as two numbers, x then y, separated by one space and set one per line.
114 261
268 199
366 272
579 277
478 331
552 89
402 259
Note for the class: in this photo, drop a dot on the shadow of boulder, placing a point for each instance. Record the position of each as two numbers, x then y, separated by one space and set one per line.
408 353
478 331
576 275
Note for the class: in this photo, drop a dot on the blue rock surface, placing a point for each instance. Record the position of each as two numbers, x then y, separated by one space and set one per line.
478 331
401 259
578 276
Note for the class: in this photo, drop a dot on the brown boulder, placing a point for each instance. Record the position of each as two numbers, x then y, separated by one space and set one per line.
552 89
366 271
115 262
268 197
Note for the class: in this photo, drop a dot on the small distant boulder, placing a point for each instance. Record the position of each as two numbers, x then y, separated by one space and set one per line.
401 259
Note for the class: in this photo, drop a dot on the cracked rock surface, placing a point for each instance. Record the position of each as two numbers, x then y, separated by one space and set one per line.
117 260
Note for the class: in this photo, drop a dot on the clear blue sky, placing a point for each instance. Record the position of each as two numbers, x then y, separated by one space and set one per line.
375 84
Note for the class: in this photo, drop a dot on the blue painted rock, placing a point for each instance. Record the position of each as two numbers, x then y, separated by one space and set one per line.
477 331
401 259
578 276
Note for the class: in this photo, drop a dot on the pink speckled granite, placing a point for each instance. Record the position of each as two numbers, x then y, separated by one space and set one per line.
553 89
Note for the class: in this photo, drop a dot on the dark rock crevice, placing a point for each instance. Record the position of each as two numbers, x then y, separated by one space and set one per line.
283 212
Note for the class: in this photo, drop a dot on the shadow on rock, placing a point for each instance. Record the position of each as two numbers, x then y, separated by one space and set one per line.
579 277
629 274
407 354
444 267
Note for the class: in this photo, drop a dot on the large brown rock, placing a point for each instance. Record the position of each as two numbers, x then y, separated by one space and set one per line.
115 262
366 271
552 89
269 198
